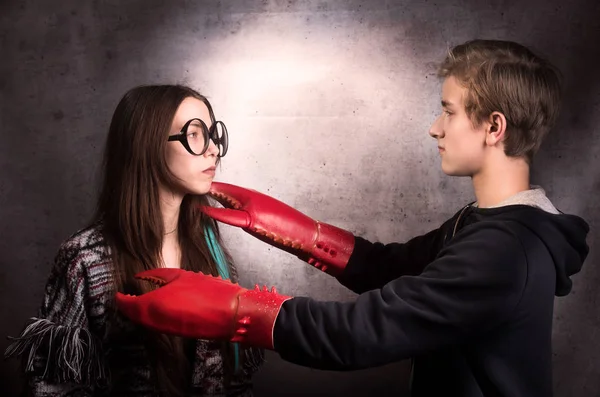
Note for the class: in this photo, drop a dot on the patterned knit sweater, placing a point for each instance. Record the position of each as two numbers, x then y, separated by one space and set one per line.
78 347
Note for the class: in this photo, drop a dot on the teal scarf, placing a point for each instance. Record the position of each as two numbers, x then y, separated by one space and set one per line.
219 257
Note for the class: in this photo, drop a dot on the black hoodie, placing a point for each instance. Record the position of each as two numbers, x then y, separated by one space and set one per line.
471 302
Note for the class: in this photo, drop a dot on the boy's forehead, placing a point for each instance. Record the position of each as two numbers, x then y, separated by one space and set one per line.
452 92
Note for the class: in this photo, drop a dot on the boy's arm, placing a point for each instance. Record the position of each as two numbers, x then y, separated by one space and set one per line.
473 286
322 245
372 265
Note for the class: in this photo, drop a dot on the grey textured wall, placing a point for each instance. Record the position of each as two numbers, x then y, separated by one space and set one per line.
328 106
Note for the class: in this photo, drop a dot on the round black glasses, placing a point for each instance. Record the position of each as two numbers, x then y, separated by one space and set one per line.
195 136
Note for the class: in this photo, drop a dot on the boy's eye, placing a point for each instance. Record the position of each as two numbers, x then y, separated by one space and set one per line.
447 112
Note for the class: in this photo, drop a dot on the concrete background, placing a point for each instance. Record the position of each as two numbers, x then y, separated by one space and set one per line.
328 105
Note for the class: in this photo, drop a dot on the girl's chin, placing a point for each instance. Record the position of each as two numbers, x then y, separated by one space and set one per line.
202 188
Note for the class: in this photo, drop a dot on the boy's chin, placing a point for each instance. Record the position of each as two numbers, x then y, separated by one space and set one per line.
456 172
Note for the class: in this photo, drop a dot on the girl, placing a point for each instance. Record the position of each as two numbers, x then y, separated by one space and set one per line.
162 149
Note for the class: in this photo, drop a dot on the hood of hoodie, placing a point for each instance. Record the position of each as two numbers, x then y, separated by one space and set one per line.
564 235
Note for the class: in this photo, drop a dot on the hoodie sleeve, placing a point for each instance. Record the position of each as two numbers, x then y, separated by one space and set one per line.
475 284
372 265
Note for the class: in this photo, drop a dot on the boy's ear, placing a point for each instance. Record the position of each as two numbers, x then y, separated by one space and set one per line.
496 128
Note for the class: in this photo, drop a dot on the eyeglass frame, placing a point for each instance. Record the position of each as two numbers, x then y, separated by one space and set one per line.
207 133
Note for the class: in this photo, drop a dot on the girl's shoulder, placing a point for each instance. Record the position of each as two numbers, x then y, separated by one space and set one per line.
86 238
84 254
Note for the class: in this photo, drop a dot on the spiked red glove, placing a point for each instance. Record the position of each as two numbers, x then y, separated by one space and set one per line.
322 245
195 305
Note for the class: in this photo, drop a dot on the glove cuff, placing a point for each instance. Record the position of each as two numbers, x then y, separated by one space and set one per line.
332 249
256 316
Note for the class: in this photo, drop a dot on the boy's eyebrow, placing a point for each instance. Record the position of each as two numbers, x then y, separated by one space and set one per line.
446 104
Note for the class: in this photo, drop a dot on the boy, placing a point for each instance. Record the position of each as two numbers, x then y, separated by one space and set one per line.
471 302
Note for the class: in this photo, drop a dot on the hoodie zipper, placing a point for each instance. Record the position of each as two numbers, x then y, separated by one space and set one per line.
412 361
458 219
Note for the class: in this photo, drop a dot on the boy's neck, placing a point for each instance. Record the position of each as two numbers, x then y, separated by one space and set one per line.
500 180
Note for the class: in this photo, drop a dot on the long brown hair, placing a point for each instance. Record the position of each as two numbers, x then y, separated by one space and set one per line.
134 168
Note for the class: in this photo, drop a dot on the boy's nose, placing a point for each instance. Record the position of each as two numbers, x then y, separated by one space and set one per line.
436 131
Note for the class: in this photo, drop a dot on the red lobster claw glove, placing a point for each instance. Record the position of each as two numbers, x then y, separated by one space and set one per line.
324 246
198 306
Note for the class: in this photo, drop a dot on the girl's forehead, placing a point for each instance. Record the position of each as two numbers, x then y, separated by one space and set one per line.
191 108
